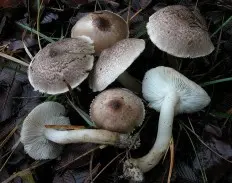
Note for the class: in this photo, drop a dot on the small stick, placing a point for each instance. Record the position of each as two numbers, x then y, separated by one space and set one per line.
65 127
171 160
136 13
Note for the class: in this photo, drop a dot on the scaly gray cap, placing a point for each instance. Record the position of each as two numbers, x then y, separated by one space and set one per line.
117 110
180 32
32 133
114 61
160 81
68 60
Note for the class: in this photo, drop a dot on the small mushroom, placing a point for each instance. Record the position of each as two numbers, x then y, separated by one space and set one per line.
180 32
118 110
105 28
66 61
171 93
32 134
113 63
46 143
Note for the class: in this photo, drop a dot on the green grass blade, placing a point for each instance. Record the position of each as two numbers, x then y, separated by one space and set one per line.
35 32
223 25
216 81
83 114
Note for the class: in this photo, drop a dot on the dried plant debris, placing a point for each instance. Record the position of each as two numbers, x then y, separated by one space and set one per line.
185 173
10 87
66 177
75 155
214 166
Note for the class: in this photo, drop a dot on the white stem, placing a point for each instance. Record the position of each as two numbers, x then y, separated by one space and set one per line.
164 135
97 136
130 82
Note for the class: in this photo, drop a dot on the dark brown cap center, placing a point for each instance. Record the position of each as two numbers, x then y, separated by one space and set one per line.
115 104
102 23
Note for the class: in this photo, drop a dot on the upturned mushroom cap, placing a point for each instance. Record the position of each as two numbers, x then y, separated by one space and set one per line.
117 110
180 32
68 60
114 61
105 28
32 133
160 81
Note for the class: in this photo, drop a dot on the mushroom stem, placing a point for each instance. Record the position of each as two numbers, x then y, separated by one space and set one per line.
130 82
97 136
150 160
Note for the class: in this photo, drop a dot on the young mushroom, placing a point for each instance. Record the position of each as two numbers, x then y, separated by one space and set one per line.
105 28
171 93
66 61
180 32
118 110
46 143
112 65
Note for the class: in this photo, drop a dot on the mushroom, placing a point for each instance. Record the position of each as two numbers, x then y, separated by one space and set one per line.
118 110
113 63
171 93
66 61
47 143
105 28
180 32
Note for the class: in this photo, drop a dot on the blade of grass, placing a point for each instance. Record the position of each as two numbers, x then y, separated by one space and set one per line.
84 115
141 30
38 22
223 25
35 32
216 81
14 59
220 115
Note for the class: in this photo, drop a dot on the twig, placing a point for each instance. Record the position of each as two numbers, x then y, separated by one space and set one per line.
38 21
25 172
79 157
206 144
27 51
136 13
204 177
107 165
172 155
14 59
65 127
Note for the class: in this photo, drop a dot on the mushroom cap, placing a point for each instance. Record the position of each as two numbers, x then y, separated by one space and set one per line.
67 60
105 28
32 133
180 32
160 81
118 110
114 61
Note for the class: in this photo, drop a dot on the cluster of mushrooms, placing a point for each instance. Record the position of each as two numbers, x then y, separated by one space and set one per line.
116 112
